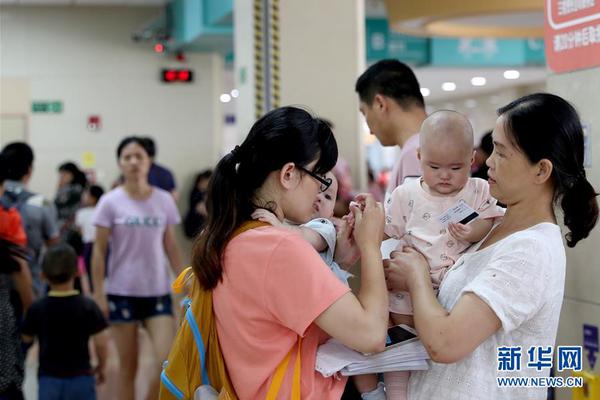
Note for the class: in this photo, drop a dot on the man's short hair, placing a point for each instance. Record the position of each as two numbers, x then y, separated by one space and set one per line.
19 158
3 168
393 79
60 263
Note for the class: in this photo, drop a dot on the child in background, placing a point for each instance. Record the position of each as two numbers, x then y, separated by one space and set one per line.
63 322
83 222
412 212
320 232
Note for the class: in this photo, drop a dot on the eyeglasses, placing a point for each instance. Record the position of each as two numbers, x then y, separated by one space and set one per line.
325 182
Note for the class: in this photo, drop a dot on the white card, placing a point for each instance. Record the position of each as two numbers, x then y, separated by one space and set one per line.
460 212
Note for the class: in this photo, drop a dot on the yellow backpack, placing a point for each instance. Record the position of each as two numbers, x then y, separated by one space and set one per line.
196 360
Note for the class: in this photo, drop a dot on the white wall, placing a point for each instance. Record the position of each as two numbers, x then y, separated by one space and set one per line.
582 297
84 57
322 55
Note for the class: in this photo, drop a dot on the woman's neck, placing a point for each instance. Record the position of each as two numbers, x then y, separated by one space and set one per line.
138 189
522 215
531 210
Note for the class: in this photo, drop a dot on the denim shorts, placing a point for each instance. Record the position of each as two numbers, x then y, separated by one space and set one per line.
131 309
76 388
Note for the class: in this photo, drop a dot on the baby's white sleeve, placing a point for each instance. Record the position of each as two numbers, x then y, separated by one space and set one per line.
326 229
395 213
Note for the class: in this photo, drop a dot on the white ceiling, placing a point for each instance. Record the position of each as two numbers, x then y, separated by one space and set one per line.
145 3
429 77
433 78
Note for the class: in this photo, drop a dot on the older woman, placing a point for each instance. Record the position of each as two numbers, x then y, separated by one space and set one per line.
508 290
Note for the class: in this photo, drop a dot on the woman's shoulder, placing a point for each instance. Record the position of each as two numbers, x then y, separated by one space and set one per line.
115 194
270 235
542 241
270 242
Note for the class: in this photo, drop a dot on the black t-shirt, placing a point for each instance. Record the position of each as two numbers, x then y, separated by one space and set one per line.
63 326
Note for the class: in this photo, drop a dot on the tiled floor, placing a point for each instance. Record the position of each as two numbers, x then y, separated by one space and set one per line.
107 391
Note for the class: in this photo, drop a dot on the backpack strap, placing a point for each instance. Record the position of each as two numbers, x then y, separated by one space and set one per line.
178 286
184 276
275 386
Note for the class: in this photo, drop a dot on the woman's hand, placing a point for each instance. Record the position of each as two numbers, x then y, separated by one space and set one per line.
404 268
368 221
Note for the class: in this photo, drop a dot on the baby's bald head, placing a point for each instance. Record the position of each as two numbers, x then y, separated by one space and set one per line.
447 128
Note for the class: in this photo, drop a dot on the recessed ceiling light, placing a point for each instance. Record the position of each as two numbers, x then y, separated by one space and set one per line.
448 86
225 98
425 91
478 81
511 74
235 93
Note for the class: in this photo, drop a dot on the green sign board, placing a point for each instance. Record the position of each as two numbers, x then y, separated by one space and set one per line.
486 52
54 107
384 43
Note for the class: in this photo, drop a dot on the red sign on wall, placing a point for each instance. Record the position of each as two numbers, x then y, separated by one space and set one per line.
572 33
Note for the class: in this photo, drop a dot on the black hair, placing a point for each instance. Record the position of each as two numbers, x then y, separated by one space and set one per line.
60 263
3 168
328 122
545 126
393 79
96 191
487 143
150 146
133 139
206 174
19 158
286 134
79 177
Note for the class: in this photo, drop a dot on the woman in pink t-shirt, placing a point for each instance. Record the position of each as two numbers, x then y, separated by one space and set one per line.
269 285
138 221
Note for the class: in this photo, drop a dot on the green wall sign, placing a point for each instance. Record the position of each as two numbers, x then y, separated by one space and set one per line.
53 107
385 43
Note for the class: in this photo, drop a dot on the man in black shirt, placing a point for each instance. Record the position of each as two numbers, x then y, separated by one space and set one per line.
63 322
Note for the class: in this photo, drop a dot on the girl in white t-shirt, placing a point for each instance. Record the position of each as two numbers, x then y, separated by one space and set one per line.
85 225
508 290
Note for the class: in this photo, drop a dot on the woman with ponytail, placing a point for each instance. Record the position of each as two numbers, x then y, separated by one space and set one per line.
507 291
269 285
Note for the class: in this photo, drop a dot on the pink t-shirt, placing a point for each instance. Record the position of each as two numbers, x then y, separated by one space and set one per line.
412 217
407 165
274 287
137 264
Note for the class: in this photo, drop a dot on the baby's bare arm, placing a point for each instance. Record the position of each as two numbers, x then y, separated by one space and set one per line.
313 237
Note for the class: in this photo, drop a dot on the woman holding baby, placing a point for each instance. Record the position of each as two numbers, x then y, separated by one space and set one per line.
507 290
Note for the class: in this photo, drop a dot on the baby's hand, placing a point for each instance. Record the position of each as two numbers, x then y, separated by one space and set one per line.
460 231
266 216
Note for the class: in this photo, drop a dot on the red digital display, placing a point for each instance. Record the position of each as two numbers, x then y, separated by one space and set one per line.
177 75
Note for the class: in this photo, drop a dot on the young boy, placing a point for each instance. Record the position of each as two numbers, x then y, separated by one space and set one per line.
63 322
